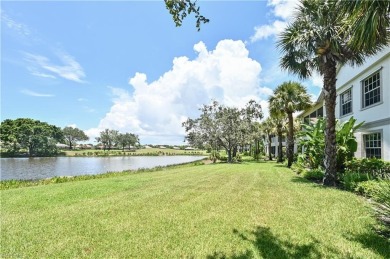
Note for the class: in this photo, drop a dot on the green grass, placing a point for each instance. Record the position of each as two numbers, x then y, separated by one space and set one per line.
249 210
143 151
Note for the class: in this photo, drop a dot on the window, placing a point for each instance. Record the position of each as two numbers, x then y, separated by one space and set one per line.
371 87
346 102
373 144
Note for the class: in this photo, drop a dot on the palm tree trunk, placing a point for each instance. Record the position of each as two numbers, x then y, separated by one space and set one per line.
280 149
290 140
269 148
330 129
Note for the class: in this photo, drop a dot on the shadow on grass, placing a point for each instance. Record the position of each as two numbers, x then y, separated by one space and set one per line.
376 243
267 245
318 184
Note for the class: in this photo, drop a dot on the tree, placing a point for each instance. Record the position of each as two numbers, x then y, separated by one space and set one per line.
219 125
108 138
39 138
279 123
368 23
289 97
180 9
127 140
72 135
319 39
268 130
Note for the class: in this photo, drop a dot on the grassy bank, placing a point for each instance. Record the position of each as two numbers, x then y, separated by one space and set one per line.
137 152
249 210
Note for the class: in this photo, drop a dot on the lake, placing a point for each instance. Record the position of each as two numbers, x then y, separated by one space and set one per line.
47 167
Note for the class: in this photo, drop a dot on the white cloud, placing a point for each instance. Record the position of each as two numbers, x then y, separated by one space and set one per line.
283 8
70 69
317 80
40 74
265 31
283 11
35 94
156 109
20 28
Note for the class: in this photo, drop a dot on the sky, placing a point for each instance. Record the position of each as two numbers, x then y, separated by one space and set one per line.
124 65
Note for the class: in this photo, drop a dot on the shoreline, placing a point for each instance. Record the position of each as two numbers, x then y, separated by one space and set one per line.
13 184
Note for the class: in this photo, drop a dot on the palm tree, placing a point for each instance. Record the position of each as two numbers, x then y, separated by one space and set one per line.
369 23
278 122
268 129
289 97
319 39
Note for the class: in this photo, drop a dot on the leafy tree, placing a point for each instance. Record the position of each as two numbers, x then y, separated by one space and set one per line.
180 9
219 125
289 97
320 38
108 138
127 140
39 138
72 135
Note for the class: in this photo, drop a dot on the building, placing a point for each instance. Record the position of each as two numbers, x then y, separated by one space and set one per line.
364 93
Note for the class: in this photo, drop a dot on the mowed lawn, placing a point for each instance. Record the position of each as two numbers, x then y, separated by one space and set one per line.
249 210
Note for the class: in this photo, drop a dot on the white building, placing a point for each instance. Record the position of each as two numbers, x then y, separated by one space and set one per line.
364 93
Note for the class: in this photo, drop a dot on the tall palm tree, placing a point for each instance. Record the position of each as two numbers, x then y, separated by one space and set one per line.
278 123
268 129
368 22
319 39
289 97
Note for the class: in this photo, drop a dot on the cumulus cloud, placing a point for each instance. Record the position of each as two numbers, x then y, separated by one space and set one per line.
282 11
265 31
70 69
155 110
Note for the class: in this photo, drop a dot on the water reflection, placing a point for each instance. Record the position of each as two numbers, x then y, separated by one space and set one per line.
46 167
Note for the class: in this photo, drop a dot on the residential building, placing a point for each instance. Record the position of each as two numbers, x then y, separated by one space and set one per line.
364 93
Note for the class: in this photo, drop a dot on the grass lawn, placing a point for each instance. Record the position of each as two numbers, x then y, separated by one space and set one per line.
142 151
249 210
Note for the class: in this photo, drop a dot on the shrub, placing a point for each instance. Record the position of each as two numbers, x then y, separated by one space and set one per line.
378 190
375 168
237 158
351 179
214 156
223 158
298 168
314 174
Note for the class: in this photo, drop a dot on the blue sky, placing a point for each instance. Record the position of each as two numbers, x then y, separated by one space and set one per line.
124 65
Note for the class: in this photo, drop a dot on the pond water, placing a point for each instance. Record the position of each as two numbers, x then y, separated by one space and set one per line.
47 167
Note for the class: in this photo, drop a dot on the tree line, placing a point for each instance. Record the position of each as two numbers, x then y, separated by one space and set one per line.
37 138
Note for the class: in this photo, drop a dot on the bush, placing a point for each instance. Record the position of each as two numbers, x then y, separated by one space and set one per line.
298 168
214 156
379 190
237 158
223 158
351 179
314 174
375 168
